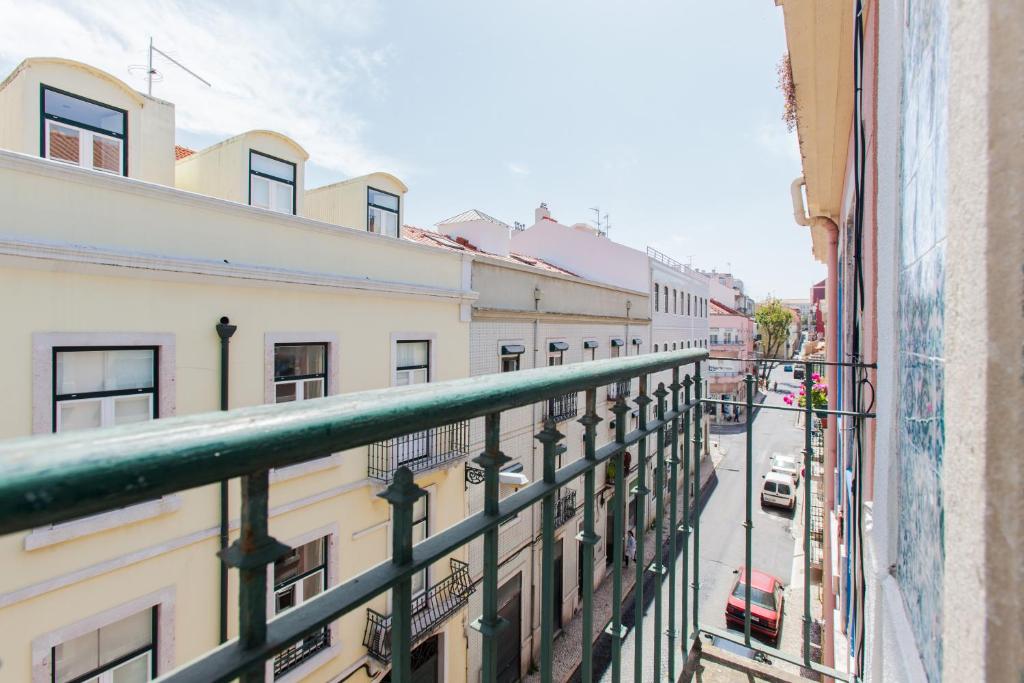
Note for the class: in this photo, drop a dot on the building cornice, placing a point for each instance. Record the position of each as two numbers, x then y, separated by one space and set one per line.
480 313
85 258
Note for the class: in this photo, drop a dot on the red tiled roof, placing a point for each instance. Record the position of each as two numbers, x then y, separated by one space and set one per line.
182 152
436 239
726 310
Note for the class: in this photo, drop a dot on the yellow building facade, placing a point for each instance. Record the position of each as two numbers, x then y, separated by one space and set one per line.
117 265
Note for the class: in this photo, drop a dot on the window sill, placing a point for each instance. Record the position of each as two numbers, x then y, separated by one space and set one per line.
303 468
66 531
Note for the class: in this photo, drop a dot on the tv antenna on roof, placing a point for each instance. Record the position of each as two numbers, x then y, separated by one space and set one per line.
598 222
154 76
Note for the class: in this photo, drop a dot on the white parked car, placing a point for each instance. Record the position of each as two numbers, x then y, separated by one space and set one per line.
778 490
787 465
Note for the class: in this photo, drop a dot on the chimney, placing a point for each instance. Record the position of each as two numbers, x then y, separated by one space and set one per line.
541 212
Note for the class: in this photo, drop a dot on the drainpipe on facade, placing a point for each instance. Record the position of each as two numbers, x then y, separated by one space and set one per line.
533 456
224 331
831 377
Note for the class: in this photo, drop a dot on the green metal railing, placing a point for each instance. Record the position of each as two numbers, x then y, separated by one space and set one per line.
61 477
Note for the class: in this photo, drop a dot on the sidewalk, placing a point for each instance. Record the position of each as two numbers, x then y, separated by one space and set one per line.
567 646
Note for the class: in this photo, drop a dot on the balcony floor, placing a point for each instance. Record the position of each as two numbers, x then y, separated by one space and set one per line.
715 665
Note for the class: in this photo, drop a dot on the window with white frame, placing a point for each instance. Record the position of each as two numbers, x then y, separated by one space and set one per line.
511 357
382 211
102 387
420 531
300 372
121 652
299 576
84 133
271 183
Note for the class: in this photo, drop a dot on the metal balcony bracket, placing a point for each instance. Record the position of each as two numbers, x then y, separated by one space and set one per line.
591 539
494 629
474 475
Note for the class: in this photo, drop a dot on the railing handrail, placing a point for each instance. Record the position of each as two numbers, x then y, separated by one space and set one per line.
55 478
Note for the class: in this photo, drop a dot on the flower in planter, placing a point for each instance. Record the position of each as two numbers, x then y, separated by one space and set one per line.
819 395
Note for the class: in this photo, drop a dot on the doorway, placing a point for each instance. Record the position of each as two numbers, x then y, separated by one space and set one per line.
558 589
510 608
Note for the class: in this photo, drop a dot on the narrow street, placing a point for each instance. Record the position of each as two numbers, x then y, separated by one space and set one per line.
722 538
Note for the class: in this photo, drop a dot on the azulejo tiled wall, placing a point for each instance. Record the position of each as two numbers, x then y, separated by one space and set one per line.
922 359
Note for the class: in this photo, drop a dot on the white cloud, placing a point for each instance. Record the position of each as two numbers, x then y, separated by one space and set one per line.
518 168
297 67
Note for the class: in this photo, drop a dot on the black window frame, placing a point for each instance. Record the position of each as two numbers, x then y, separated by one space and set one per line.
56 398
152 648
413 367
397 212
425 521
43 116
293 182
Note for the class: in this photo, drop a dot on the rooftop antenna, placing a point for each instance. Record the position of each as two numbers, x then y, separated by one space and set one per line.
152 75
689 259
597 212
607 225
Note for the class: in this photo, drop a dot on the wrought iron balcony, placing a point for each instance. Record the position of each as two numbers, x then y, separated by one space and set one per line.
419 451
561 408
301 651
57 478
430 609
617 389
565 508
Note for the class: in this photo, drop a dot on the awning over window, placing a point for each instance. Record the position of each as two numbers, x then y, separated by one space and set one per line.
558 346
617 341
637 341
512 349
590 344
512 475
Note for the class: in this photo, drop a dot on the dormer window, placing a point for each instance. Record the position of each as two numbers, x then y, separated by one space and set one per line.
271 183
84 133
382 212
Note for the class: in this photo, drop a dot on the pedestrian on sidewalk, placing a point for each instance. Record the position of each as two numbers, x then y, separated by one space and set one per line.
630 548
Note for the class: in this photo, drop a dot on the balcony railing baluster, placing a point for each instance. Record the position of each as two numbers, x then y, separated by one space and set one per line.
673 463
642 400
549 436
588 538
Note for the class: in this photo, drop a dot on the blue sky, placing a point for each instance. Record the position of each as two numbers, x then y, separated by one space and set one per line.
664 114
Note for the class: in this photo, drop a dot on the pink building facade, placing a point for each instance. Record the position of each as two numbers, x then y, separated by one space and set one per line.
731 335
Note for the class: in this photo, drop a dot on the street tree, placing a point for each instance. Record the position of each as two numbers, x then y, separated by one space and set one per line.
773 321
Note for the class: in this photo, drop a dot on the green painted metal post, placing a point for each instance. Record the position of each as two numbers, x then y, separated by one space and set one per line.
659 527
549 436
251 553
489 624
687 455
621 411
642 400
697 434
808 478
673 463
748 524
588 537
402 494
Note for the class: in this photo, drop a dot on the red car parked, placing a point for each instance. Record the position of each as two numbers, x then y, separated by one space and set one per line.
766 602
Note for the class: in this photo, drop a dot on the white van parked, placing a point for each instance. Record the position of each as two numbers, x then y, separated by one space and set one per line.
788 465
778 490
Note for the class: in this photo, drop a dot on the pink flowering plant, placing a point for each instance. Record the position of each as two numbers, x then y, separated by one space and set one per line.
819 395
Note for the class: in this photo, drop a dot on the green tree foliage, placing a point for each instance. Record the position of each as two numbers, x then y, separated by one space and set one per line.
773 321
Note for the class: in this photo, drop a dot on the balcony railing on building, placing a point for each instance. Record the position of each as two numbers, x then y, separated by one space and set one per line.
301 651
565 508
57 478
561 408
617 389
430 609
419 451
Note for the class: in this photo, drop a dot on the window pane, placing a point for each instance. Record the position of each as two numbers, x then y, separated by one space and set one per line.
106 153
383 200
129 369
64 143
259 192
273 167
312 585
284 599
390 224
299 561
126 636
313 388
372 219
79 415
79 372
293 360
134 671
284 392
76 657
282 197
74 109
413 353
129 409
